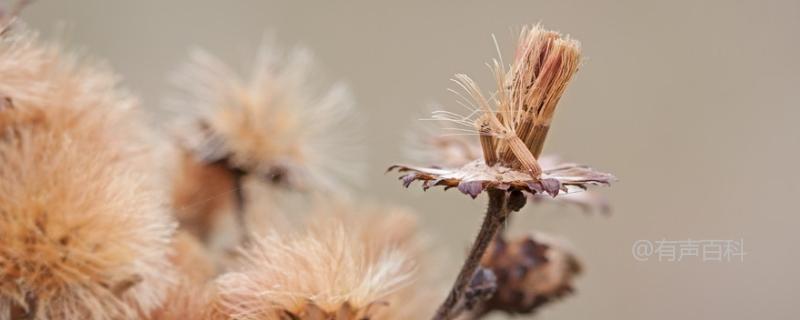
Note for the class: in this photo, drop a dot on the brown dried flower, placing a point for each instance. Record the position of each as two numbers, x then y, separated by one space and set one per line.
83 227
512 124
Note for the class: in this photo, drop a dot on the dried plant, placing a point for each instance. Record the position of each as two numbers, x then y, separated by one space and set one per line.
83 227
272 125
511 125
345 265
86 235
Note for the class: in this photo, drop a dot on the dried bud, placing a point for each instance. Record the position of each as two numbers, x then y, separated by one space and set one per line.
531 271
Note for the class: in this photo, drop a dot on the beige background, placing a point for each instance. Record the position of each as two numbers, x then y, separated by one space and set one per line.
693 105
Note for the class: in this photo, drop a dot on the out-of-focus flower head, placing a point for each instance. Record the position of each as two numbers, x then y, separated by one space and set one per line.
83 225
346 264
276 122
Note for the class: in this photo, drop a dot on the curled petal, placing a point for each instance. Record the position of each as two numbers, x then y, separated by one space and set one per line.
408 179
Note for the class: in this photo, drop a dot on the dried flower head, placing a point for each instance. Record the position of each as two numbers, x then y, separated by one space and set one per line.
530 271
83 228
343 266
272 124
513 122
455 151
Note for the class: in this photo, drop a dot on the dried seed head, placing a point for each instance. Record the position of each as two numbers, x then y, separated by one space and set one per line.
512 126
83 228
273 123
341 266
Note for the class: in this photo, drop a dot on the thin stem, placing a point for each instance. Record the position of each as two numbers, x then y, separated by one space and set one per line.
496 214
239 204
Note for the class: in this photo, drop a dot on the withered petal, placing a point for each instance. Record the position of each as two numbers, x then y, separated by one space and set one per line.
471 188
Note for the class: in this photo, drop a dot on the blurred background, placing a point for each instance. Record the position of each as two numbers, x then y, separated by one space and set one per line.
693 105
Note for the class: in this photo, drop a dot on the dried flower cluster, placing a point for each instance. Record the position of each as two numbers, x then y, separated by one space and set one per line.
88 231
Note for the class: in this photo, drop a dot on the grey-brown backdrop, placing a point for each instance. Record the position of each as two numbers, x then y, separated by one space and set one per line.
694 105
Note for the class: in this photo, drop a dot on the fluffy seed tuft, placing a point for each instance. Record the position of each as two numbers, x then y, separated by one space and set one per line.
342 266
273 123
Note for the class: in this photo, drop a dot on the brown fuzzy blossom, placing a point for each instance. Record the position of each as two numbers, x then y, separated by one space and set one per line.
512 124
343 266
83 227
273 124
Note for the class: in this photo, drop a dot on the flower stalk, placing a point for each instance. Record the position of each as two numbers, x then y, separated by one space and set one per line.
496 214
239 203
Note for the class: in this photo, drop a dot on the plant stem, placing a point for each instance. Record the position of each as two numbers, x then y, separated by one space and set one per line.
496 213
239 204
